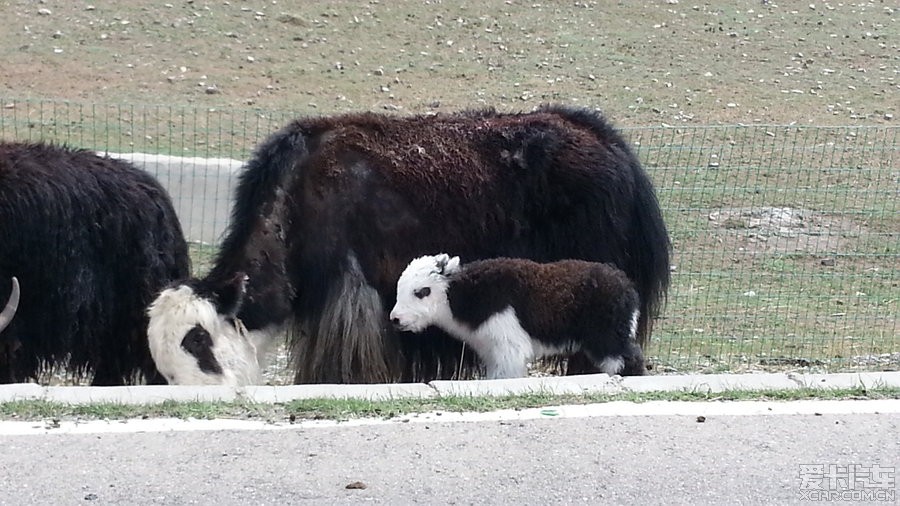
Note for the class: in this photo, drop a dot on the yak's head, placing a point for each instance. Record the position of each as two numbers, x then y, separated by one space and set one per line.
422 292
196 339
12 304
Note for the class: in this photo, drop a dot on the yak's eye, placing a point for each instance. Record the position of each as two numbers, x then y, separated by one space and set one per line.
422 292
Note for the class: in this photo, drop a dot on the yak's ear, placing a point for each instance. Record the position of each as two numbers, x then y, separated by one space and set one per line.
440 262
452 266
230 295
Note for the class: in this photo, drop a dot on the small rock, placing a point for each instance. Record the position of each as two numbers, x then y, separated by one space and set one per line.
356 485
212 90
701 419
91 497
827 262
291 19
888 116
44 12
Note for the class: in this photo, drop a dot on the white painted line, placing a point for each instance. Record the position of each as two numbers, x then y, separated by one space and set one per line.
609 409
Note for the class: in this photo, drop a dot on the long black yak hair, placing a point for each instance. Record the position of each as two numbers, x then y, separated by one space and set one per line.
91 241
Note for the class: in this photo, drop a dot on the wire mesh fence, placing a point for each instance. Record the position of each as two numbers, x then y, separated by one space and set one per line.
786 238
786 245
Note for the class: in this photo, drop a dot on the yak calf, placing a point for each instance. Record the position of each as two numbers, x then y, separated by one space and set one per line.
512 311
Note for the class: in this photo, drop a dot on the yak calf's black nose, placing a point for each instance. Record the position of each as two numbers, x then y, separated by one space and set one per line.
395 321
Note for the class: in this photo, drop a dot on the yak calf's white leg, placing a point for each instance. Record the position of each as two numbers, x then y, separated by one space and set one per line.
504 346
612 365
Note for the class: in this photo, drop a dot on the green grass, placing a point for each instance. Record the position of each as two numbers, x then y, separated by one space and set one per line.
36 410
345 409
202 257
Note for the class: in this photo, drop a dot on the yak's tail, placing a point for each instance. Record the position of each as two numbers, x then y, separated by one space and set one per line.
345 342
650 252
646 241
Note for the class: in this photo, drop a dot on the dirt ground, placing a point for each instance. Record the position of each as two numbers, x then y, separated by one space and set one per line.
644 63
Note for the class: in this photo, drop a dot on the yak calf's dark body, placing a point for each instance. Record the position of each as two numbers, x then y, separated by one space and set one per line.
566 305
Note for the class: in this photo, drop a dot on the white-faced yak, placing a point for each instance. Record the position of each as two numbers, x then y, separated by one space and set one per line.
216 351
92 241
330 210
511 311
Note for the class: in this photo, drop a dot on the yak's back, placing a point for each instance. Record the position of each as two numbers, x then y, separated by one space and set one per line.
475 161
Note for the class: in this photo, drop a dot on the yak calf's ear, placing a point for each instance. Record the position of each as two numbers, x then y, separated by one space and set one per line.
440 262
231 295
452 266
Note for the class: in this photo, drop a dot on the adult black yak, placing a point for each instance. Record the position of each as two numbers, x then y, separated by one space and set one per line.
330 211
91 240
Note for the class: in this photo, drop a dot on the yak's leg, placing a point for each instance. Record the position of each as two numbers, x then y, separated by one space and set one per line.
579 363
504 346
107 377
616 351
152 376
633 355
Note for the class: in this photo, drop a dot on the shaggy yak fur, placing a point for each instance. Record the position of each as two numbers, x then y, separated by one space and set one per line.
92 241
512 311
330 210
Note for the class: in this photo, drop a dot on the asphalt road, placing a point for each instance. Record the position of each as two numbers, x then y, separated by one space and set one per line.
602 460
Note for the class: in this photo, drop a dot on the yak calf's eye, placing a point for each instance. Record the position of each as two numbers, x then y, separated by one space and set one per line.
422 292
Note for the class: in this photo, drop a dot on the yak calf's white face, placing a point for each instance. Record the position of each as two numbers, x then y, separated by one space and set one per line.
192 344
422 293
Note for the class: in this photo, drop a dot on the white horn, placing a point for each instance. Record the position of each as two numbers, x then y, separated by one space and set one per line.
11 305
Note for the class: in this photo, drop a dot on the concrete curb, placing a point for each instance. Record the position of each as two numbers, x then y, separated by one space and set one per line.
557 385
554 385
